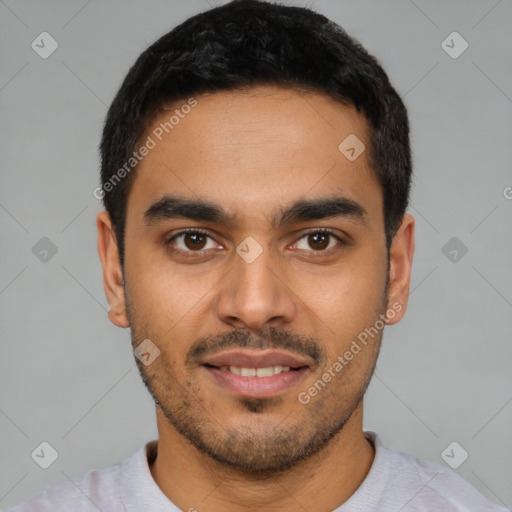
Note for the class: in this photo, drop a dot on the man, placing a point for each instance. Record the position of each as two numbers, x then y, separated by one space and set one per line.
255 174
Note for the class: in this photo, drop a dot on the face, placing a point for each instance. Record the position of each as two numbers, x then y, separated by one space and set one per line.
255 258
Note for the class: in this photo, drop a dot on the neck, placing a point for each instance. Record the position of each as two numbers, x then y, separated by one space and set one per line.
194 481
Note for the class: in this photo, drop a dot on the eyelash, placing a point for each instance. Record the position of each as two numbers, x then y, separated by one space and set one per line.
196 254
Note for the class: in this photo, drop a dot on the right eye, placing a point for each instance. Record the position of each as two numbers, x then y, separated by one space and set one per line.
191 241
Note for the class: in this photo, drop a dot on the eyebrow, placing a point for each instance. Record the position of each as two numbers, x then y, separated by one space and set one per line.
173 207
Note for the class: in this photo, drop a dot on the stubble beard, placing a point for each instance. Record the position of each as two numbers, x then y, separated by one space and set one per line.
259 448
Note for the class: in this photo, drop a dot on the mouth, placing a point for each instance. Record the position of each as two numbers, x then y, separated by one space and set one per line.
256 374
266 371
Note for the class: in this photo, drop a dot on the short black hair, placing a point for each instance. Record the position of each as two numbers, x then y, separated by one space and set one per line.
247 43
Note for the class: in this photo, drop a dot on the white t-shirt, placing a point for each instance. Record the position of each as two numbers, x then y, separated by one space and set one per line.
396 482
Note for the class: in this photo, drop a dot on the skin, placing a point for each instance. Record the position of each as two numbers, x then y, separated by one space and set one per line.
254 153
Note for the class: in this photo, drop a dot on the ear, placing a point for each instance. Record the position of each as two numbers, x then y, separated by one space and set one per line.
112 271
400 263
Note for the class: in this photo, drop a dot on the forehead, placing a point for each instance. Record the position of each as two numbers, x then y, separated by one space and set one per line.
252 150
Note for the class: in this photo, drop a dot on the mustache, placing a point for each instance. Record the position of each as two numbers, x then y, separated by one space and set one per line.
271 337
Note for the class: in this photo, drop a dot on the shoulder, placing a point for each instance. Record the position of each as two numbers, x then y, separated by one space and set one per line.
419 485
89 493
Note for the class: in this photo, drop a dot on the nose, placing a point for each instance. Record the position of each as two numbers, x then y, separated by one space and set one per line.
255 295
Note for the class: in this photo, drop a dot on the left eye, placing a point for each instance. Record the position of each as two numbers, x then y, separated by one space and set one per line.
318 241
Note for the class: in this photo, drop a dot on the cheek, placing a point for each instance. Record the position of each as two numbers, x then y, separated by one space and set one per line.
169 309
354 286
161 296
349 302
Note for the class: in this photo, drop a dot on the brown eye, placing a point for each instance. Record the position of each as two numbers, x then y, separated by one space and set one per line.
318 241
194 241
191 241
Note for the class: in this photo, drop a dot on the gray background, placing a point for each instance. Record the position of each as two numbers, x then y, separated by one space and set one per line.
67 376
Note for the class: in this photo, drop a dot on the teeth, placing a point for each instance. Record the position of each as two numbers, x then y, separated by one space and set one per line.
268 371
265 372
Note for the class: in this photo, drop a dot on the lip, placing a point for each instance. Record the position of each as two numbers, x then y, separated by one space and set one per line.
256 359
256 387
